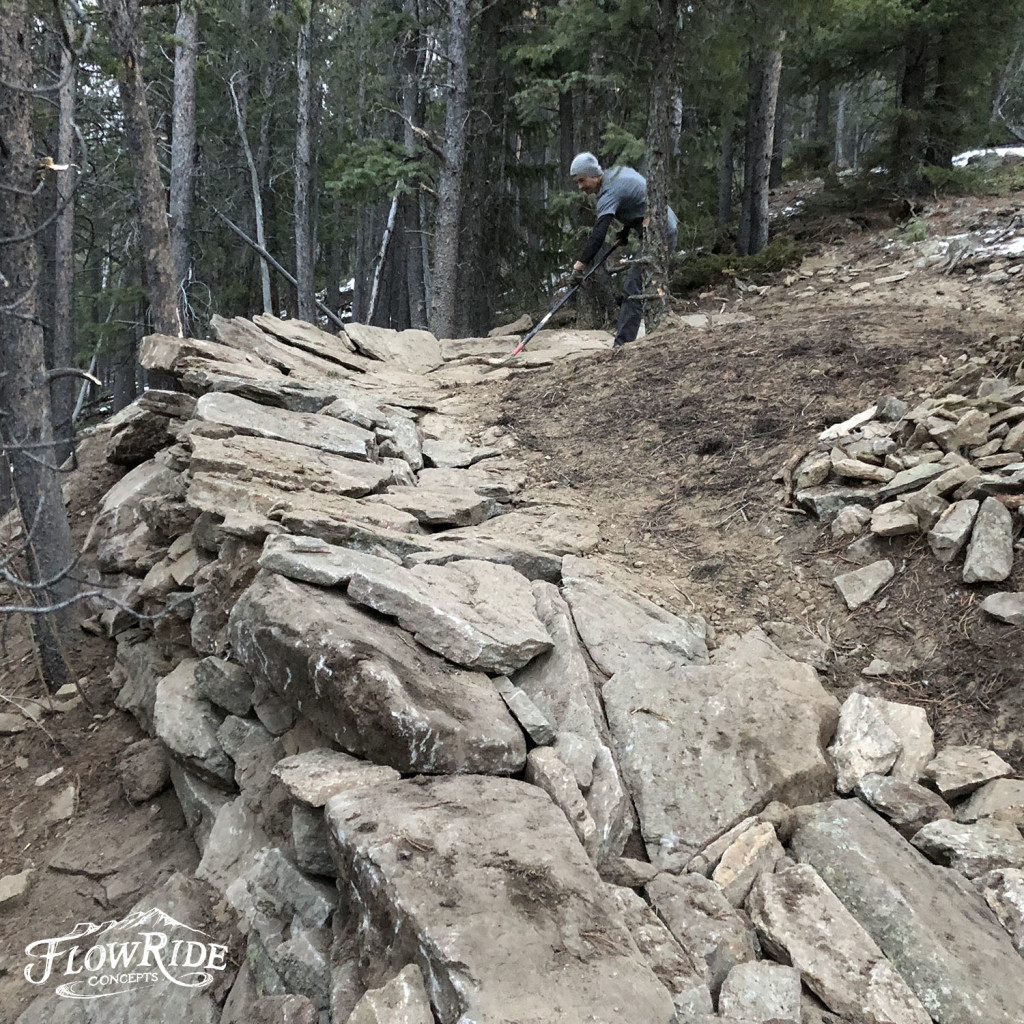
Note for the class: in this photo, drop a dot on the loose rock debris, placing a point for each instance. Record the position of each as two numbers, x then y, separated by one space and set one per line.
951 468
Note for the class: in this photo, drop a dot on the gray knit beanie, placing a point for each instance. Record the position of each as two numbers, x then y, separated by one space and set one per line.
586 165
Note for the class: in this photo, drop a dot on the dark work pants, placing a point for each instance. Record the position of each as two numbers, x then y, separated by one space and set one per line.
632 311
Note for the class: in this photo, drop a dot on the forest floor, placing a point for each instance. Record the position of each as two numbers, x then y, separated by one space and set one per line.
676 444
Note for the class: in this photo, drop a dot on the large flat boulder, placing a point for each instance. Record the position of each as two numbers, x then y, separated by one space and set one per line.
171 355
325 433
482 884
485 478
703 747
623 630
562 685
417 351
560 532
800 921
529 561
477 614
929 921
312 560
245 336
305 335
285 466
436 507
369 686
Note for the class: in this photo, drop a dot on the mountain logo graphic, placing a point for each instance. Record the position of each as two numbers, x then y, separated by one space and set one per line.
146 948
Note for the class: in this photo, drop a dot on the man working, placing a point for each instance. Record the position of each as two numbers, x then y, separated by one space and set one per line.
621 195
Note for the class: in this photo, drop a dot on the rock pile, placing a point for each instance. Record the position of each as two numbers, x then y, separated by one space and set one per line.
443 767
951 468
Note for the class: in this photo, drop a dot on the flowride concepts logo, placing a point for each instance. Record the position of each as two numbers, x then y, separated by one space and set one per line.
146 948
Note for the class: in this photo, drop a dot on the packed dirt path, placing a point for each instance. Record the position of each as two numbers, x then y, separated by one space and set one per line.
677 443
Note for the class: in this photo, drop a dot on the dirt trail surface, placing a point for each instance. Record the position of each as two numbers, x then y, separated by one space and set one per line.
677 444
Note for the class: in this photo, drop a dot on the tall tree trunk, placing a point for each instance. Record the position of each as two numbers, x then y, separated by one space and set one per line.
183 147
665 18
726 173
778 145
26 428
451 186
304 172
566 136
413 109
907 143
123 18
62 393
238 88
840 151
760 138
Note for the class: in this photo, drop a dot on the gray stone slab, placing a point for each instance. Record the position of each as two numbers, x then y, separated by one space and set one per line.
863 744
304 335
413 350
325 433
999 800
860 586
706 926
762 991
313 560
527 560
990 551
1008 608
486 478
314 776
436 507
283 466
701 748
477 614
957 771
477 881
403 1000
951 530
906 805
670 962
623 630
187 724
455 454
801 921
927 920
369 686
973 849
1004 893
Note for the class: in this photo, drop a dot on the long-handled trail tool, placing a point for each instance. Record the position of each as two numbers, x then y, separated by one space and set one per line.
602 256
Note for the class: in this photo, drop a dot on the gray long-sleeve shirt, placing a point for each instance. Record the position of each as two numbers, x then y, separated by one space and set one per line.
622 197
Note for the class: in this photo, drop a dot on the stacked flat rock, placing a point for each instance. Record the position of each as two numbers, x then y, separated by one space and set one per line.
430 748
950 468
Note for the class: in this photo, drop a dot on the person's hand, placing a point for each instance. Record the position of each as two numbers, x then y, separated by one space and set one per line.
576 275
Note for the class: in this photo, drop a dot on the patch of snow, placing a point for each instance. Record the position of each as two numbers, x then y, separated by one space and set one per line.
962 159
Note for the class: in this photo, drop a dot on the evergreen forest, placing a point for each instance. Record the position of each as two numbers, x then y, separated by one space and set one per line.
405 163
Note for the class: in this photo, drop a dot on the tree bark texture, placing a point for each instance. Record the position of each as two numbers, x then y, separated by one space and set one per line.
62 391
413 109
726 174
451 186
907 142
304 255
151 203
665 22
766 72
26 428
238 86
183 148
